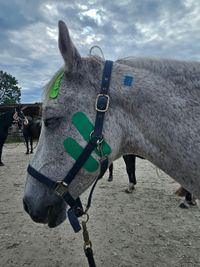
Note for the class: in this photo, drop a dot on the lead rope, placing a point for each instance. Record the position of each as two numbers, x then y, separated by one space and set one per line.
87 243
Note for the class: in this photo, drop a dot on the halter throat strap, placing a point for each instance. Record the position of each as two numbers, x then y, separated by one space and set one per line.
61 187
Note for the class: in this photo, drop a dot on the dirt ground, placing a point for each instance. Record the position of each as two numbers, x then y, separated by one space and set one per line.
146 228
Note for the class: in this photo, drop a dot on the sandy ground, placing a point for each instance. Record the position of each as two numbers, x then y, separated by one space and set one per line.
146 228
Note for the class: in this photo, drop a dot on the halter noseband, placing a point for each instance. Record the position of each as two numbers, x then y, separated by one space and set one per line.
61 187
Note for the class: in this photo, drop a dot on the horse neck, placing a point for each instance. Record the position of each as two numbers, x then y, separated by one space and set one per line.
7 118
158 115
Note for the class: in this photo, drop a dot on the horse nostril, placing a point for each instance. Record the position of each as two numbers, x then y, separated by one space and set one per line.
37 214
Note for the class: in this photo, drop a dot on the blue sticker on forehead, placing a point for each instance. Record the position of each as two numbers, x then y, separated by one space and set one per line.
128 80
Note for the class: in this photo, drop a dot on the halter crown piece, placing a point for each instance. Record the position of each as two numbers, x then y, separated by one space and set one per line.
96 138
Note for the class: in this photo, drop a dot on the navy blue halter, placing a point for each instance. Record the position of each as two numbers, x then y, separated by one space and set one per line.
61 187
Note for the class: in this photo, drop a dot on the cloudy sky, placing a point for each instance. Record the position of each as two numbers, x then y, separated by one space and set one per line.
155 28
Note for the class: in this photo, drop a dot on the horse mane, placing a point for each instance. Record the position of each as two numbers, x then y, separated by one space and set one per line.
183 74
164 67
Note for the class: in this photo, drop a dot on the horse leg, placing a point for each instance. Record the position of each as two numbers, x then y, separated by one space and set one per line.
27 146
130 161
188 201
25 134
1 149
31 143
2 141
110 178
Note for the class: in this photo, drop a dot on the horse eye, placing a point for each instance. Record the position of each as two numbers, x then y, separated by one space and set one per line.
52 122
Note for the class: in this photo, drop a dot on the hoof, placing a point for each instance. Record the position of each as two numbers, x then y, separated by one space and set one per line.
110 178
27 152
130 189
1 164
31 152
183 206
192 203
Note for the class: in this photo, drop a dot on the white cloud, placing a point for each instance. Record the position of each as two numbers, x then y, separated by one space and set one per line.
95 14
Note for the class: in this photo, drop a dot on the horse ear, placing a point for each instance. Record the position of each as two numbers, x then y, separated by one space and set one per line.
67 49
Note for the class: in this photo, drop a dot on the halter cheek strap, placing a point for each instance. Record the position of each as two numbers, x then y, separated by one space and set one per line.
61 187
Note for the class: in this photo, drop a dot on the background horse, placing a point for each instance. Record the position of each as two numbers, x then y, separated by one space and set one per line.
6 120
130 162
31 130
154 112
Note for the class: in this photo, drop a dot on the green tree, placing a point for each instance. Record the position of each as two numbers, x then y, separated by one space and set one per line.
10 92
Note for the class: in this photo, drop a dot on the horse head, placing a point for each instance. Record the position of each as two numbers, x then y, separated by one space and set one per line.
65 110
19 115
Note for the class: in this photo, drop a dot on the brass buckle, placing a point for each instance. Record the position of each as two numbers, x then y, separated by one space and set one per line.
107 104
61 188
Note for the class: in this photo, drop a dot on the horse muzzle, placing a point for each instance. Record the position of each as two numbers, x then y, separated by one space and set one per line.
52 215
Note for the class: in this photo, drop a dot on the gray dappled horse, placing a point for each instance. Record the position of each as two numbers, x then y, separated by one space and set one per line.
155 116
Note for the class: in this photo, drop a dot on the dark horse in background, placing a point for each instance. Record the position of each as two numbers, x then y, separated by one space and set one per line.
31 130
130 162
6 120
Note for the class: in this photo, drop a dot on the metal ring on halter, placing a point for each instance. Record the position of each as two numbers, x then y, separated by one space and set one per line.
99 141
87 217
